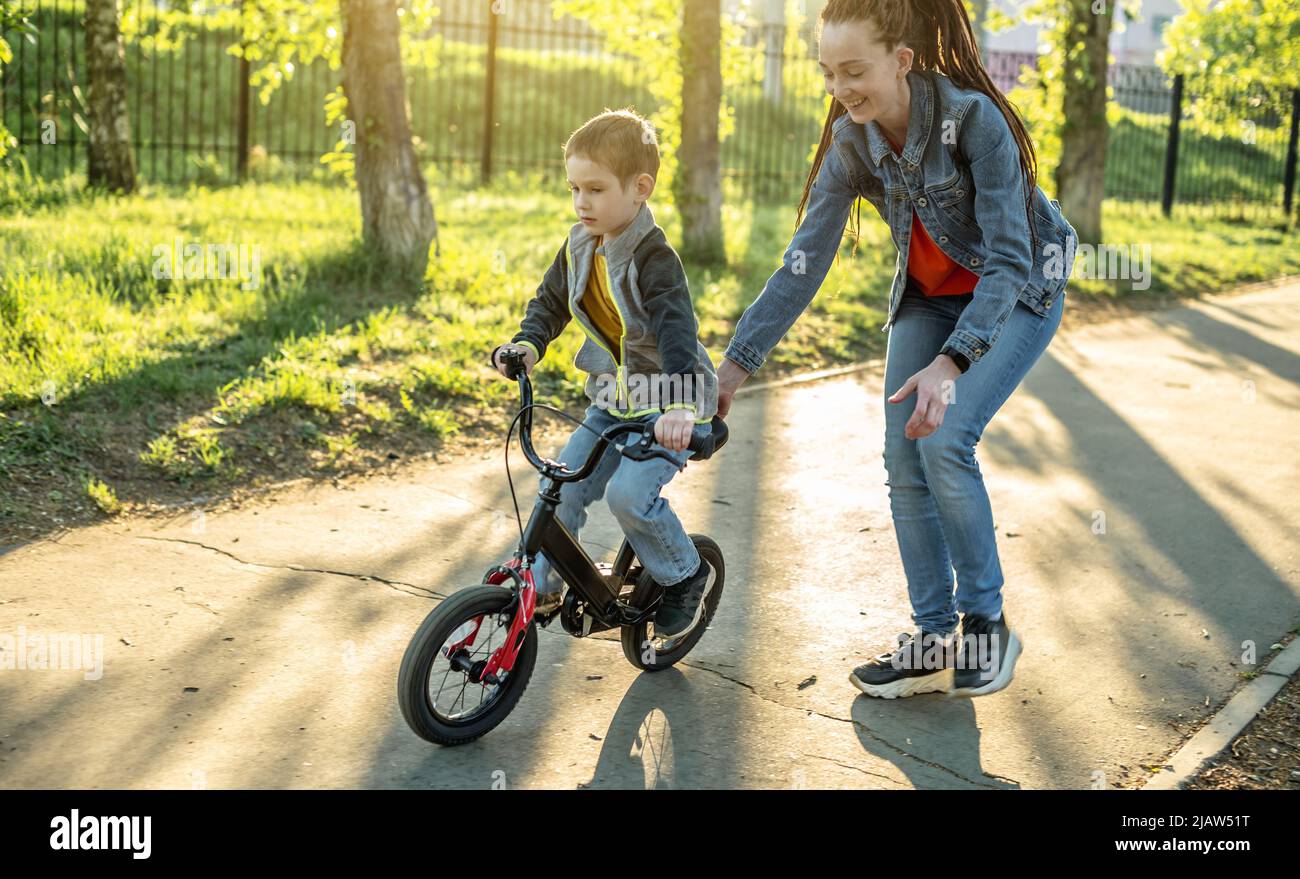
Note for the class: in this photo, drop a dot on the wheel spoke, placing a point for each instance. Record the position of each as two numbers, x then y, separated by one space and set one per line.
455 705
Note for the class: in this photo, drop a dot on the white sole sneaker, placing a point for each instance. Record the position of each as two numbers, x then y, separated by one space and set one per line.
1005 673
939 682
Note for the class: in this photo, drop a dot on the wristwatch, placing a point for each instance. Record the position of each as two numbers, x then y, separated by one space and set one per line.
962 361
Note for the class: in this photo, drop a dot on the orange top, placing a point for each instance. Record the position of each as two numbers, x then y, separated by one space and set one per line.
929 267
600 307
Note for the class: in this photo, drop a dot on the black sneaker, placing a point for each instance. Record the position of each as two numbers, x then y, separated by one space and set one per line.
989 649
915 667
683 603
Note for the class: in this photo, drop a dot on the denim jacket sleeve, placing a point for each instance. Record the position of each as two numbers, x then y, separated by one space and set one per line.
792 287
1000 211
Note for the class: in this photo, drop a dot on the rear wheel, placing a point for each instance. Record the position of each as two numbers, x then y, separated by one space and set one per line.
649 652
439 690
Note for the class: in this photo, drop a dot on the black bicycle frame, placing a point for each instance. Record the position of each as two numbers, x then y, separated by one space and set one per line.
546 533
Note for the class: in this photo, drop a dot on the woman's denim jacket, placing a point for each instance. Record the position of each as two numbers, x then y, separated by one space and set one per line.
960 172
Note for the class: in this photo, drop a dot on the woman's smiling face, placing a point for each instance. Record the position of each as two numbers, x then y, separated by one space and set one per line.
862 73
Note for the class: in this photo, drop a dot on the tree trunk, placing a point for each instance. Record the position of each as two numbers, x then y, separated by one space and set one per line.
774 49
698 186
978 20
1081 175
396 213
111 163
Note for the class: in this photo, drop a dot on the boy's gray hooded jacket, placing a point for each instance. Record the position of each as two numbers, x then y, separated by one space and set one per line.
661 363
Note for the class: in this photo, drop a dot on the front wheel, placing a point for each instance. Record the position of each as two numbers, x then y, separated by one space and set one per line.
649 652
438 689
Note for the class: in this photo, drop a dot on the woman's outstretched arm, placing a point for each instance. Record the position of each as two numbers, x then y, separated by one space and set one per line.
791 288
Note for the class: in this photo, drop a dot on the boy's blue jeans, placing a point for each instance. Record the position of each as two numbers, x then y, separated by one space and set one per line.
632 487
941 511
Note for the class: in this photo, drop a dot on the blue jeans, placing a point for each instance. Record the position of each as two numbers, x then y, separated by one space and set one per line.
941 512
633 487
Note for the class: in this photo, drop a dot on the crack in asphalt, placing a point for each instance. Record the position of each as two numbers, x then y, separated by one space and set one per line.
851 766
396 585
865 729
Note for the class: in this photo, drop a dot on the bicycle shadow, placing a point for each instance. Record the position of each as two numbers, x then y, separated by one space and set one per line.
640 750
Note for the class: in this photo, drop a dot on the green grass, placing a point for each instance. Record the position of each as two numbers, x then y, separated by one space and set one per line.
119 389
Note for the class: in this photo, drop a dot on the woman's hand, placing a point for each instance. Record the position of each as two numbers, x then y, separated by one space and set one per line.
731 376
934 387
673 429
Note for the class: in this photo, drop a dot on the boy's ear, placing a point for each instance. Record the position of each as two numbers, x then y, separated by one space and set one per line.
645 186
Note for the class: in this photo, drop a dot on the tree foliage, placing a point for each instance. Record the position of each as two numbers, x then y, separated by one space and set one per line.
15 20
1239 55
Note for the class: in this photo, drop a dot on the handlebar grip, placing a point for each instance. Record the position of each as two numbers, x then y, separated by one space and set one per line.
702 446
513 361
705 447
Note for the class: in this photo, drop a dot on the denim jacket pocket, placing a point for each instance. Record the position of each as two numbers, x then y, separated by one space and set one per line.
956 197
1054 260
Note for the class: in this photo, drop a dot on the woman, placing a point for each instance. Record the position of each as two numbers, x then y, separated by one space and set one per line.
917 128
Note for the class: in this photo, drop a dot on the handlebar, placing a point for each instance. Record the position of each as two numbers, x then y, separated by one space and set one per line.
639 450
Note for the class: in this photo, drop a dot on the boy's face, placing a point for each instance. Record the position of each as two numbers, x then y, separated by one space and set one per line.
603 205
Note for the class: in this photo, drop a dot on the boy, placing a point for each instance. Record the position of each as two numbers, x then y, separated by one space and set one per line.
622 282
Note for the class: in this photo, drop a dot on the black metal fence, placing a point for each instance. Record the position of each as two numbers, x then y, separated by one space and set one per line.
492 92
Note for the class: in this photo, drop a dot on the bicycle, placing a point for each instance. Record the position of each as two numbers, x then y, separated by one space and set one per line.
599 597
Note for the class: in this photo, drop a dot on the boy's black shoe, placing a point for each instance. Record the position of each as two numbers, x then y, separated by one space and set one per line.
915 667
683 603
989 650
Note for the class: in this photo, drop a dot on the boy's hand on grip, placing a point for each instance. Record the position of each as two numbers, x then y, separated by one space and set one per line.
673 429
530 358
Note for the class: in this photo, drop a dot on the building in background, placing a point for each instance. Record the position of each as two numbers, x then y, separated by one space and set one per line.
1132 41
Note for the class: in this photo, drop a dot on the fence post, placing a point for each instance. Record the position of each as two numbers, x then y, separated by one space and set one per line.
241 161
1288 185
1171 149
489 99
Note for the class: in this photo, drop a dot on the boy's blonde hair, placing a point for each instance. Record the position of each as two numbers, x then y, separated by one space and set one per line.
622 140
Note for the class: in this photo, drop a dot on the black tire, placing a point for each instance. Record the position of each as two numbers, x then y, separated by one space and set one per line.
421 709
639 644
